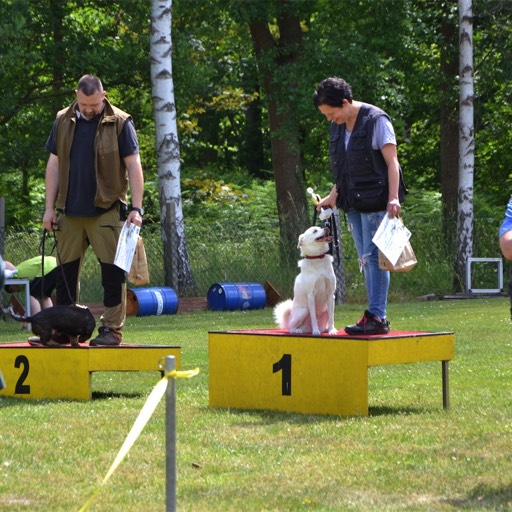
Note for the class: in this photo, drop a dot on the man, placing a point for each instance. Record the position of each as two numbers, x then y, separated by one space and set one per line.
368 184
94 155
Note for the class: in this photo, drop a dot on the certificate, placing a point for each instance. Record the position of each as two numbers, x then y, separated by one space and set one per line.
391 238
126 246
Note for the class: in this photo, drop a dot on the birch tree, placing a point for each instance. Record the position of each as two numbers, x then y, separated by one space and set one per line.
177 270
466 138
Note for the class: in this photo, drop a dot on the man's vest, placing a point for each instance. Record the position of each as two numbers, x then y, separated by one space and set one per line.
111 174
360 172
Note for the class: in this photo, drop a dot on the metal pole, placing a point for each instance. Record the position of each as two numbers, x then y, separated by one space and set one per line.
446 385
170 437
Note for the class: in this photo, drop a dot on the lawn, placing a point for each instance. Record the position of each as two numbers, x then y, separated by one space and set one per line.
408 454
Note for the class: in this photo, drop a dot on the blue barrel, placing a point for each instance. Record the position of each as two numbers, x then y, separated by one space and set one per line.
233 296
155 301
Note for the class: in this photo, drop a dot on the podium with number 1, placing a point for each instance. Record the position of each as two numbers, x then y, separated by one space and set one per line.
308 374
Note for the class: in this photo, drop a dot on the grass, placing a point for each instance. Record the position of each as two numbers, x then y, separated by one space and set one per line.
408 454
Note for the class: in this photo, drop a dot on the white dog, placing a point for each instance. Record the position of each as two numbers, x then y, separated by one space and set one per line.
312 308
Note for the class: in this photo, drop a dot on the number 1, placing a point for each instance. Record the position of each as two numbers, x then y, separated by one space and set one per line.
284 365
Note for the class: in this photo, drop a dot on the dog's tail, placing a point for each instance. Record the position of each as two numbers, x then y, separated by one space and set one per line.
282 313
19 318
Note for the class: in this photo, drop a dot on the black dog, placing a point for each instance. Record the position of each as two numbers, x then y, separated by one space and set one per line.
63 324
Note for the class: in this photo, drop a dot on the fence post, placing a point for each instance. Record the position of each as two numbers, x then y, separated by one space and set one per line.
170 437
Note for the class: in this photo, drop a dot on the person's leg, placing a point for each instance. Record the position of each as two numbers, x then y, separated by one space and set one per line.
49 282
363 227
114 296
35 306
378 279
46 302
72 243
67 290
41 289
36 292
104 233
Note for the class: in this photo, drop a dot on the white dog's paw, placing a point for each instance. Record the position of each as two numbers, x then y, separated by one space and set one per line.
333 331
296 330
316 332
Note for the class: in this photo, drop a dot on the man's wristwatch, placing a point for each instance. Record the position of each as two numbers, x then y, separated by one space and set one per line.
139 210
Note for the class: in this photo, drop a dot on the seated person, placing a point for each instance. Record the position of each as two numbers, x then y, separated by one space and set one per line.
41 289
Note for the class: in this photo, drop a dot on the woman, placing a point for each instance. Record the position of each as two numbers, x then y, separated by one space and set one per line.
368 184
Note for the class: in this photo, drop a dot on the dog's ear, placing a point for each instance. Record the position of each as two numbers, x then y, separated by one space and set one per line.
301 239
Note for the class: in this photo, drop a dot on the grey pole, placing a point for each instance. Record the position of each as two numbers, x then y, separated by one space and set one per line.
170 437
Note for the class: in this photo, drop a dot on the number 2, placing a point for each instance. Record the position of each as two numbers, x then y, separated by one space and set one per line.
284 365
21 388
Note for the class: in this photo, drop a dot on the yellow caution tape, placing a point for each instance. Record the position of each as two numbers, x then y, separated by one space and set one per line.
181 374
141 421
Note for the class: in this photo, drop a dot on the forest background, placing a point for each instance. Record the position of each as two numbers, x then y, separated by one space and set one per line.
401 55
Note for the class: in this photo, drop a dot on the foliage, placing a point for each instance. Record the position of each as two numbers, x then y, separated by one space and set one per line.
493 104
391 57
234 237
46 47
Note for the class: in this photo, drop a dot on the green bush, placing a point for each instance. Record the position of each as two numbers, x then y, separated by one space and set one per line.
235 238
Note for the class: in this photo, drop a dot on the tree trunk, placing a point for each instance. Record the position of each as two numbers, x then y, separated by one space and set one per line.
449 133
466 139
178 273
275 55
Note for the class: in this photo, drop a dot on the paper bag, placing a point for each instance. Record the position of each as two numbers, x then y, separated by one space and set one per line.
139 272
406 261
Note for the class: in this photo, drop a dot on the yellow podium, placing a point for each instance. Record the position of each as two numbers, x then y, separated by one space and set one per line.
273 369
65 372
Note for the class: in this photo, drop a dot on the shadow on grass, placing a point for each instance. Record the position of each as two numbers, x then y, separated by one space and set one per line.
383 410
105 395
486 497
273 417
96 395
11 401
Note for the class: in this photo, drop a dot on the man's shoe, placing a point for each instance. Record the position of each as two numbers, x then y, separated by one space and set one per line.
107 337
369 324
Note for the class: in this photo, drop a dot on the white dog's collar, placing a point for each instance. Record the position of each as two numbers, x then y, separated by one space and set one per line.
320 256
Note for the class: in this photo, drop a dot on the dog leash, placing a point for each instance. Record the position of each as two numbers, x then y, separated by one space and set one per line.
42 250
59 262
330 223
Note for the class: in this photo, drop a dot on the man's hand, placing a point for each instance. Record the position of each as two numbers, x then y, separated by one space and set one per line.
50 220
135 218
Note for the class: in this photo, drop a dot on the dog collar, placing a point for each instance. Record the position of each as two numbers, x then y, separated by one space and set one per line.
316 257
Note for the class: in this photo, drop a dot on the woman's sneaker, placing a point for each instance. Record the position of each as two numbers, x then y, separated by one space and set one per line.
107 337
369 324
